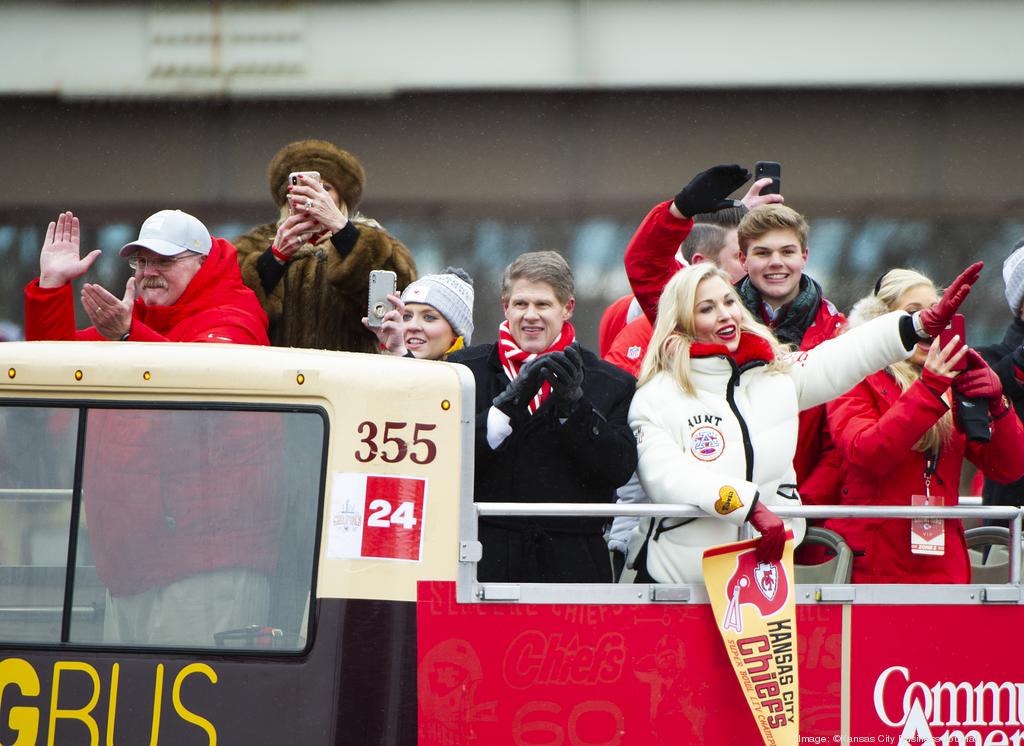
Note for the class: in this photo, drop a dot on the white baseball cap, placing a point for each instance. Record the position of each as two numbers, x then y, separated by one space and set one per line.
171 232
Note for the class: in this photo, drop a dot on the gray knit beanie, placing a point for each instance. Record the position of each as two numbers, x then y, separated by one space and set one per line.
451 293
1013 276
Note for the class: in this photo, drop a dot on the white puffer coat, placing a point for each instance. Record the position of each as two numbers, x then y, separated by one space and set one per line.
732 443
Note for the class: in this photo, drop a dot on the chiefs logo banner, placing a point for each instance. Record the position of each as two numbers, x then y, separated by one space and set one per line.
755 610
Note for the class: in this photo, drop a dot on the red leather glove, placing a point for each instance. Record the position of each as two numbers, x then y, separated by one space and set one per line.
934 319
773 534
980 382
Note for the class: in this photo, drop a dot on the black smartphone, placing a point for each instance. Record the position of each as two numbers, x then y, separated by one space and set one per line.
763 169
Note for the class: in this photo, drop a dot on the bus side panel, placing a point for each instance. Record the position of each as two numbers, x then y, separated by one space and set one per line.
945 673
355 687
530 673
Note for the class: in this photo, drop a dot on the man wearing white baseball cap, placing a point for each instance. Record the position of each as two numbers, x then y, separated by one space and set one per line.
186 288
152 515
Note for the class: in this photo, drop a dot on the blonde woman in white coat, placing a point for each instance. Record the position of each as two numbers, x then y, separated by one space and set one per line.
716 407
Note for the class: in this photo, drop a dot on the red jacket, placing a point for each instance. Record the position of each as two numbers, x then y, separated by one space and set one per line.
651 255
630 345
215 307
875 428
612 322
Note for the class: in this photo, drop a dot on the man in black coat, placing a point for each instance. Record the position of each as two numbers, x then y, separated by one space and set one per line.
1007 360
551 426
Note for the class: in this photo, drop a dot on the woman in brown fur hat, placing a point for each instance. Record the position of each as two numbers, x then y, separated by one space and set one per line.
310 269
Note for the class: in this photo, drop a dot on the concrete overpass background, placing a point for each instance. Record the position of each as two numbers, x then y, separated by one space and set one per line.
488 129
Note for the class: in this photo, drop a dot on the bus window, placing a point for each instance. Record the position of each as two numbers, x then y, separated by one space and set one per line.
37 461
202 526
197 527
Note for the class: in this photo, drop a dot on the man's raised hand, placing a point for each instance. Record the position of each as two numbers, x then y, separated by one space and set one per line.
60 259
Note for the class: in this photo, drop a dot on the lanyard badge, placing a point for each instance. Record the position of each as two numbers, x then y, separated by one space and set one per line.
927 535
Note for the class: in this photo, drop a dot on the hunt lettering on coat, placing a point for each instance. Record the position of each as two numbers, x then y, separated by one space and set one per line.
704 419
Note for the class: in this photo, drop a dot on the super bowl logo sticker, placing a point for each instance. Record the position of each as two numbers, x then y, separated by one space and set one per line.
756 614
728 500
376 516
707 443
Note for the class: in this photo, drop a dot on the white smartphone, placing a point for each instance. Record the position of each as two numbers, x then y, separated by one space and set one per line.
293 179
383 283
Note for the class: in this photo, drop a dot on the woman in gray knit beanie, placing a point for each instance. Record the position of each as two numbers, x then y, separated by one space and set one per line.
433 317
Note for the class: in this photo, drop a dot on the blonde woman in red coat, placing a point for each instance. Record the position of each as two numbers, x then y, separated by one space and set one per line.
896 433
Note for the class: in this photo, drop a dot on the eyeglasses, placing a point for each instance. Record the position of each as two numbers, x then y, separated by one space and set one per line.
162 264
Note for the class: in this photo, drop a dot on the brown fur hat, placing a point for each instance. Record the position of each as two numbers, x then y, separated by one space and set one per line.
337 167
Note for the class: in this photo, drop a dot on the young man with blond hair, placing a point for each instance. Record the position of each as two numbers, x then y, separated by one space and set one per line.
773 249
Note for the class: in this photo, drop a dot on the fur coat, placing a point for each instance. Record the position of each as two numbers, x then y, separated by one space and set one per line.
321 299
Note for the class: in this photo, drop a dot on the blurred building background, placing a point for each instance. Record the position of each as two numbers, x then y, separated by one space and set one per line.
492 127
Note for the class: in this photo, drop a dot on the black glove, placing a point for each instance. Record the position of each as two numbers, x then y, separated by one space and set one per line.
707 191
517 394
564 371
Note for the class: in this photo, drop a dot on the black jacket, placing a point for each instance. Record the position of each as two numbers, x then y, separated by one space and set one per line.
1000 357
583 459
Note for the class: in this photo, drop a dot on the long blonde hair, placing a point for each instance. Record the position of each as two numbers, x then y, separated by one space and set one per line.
674 332
891 287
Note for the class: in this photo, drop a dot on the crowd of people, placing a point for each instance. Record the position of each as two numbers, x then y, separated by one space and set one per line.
725 381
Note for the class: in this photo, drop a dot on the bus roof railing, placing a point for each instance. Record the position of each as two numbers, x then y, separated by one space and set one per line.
547 510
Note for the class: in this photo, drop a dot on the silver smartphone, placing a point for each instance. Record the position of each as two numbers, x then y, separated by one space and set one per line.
383 283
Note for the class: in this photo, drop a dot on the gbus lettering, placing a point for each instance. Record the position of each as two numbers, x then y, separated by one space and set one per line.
23 720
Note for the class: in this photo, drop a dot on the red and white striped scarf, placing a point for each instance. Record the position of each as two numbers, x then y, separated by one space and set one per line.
513 358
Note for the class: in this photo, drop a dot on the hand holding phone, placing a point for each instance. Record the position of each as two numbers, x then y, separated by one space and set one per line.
383 283
764 169
294 180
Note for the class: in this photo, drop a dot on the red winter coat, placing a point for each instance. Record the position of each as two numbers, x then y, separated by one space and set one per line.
630 345
215 307
875 428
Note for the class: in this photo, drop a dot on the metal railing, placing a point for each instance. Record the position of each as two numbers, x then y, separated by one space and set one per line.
470 550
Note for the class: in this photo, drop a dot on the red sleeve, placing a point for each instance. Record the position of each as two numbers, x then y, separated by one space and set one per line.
50 314
613 320
878 442
1000 458
651 255
630 345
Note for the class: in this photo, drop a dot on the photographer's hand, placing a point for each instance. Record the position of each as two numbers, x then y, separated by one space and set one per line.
293 232
311 199
753 198
391 332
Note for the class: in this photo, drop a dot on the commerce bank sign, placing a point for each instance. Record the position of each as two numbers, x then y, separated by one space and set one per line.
983 713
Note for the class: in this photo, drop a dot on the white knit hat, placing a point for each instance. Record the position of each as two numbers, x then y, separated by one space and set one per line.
451 293
1013 277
